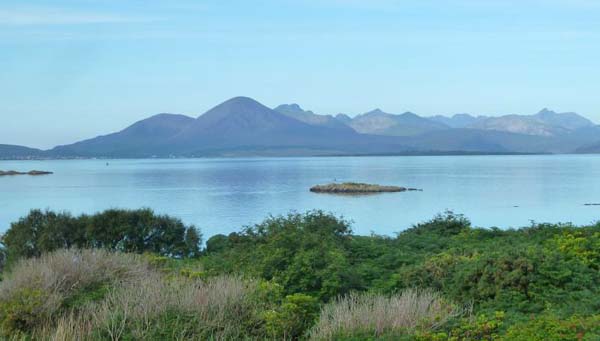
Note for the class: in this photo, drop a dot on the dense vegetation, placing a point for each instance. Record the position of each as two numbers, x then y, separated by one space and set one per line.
135 231
301 276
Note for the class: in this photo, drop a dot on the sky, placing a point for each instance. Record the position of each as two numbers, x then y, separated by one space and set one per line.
75 69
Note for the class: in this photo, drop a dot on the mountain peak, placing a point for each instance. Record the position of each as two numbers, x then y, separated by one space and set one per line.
241 100
376 111
244 106
546 111
410 114
292 106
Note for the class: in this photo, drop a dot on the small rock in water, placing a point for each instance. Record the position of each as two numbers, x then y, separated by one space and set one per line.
33 172
357 188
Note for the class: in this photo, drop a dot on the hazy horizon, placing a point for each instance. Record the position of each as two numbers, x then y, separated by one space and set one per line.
74 70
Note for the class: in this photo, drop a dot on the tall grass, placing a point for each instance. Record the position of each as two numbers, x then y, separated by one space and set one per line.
376 315
95 294
37 290
64 271
158 308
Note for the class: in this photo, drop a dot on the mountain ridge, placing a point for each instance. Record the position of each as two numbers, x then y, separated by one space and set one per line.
242 126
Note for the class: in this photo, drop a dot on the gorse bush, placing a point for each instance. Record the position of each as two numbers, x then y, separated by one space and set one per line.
134 231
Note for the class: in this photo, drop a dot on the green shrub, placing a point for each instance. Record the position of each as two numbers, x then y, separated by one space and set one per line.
549 327
295 316
305 253
22 311
135 231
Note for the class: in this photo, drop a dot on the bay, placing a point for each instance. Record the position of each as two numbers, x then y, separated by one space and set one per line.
223 195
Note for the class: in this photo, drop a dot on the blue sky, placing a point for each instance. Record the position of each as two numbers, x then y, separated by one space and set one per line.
77 69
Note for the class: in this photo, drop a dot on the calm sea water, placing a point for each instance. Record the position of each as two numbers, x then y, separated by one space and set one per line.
223 195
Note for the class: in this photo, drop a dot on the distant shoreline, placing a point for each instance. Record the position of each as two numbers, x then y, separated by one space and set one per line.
450 153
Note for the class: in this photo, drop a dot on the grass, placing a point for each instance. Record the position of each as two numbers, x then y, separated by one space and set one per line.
376 315
101 295
38 289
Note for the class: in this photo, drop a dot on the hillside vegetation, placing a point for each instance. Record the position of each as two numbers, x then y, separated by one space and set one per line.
301 276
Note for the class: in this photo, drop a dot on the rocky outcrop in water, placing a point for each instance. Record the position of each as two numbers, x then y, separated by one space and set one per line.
33 172
358 188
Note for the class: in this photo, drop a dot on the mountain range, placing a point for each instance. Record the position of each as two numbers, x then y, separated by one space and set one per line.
242 126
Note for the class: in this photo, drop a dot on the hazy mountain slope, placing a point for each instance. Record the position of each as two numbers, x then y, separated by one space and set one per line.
544 123
296 112
457 121
377 122
528 125
343 118
473 140
143 138
589 149
8 151
568 120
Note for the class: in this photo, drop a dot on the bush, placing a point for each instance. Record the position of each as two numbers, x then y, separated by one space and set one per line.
549 327
447 224
135 231
374 316
295 316
305 253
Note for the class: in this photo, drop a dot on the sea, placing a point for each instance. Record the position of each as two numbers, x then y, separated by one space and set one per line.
224 195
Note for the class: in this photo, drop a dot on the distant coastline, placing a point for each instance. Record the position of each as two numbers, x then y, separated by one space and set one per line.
258 155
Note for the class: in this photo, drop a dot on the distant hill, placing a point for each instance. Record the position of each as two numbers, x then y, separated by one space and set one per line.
242 126
457 121
589 149
145 138
568 120
11 152
343 118
243 123
544 123
377 122
296 112
528 125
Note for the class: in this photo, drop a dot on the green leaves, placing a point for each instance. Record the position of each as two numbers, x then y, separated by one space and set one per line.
135 231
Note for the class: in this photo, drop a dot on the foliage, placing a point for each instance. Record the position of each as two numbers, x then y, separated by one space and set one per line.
21 311
135 231
305 253
270 281
549 327
293 318
482 327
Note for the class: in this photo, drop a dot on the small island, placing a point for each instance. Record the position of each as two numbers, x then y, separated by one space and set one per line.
358 188
33 172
